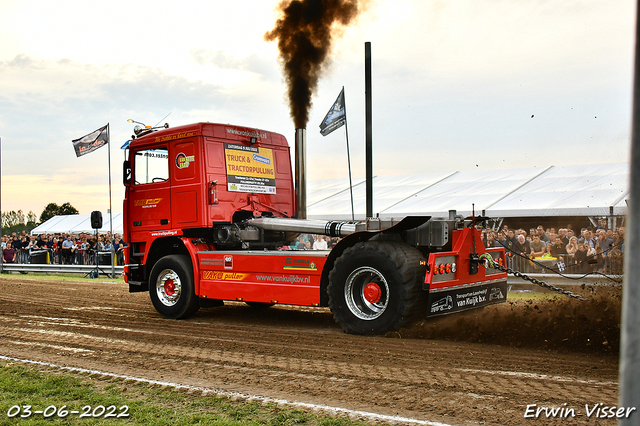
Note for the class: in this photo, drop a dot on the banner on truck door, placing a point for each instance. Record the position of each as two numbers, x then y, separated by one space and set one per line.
250 169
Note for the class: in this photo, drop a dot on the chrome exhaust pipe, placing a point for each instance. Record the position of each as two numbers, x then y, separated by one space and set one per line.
300 177
321 227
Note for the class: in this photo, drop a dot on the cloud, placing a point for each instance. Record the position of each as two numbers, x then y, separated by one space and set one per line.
70 98
265 67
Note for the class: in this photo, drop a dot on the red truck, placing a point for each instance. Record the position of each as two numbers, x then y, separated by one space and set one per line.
211 209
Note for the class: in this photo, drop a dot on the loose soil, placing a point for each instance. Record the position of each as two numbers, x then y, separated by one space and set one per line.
480 367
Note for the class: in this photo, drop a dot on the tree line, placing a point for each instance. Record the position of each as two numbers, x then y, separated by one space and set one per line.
18 221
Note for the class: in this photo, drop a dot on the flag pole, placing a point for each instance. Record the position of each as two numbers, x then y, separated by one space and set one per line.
346 130
113 268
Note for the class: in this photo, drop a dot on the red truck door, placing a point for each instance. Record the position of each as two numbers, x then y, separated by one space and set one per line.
150 191
185 170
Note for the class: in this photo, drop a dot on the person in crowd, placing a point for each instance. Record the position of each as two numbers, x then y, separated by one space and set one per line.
332 241
82 250
41 242
563 234
116 246
615 255
9 254
300 245
511 241
119 246
557 248
572 246
621 234
32 245
319 243
490 239
522 246
538 247
24 251
65 250
583 231
90 250
599 261
580 259
552 237
588 238
519 254
602 224
603 240
107 245
543 236
99 245
17 246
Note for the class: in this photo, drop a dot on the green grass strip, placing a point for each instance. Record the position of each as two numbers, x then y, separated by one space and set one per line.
49 390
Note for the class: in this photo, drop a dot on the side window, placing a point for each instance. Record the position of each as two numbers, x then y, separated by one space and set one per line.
151 166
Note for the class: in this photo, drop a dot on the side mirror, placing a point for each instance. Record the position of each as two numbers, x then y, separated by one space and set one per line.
126 172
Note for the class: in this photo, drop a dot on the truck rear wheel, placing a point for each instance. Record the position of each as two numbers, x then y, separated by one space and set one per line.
171 287
376 287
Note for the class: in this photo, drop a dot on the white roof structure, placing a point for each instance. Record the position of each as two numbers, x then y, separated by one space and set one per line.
575 190
77 223
591 190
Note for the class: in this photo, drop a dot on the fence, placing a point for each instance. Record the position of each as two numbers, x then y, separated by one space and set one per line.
55 268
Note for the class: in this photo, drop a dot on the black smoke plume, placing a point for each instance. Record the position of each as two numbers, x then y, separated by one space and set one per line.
305 32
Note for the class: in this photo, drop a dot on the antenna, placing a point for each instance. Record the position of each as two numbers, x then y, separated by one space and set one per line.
162 119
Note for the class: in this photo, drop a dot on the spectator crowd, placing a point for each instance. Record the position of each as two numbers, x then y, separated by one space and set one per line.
63 249
592 249
312 242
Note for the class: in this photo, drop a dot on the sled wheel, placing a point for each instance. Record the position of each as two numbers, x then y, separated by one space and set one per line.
376 287
171 287
259 305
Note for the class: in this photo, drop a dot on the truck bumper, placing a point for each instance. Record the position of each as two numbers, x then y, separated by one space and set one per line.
456 299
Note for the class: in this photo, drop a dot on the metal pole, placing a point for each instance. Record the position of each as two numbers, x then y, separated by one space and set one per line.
113 268
630 327
369 129
346 130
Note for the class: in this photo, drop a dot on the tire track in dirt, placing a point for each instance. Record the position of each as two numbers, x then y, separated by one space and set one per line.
296 354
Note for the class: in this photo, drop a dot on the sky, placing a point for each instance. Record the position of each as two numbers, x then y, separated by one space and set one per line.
457 85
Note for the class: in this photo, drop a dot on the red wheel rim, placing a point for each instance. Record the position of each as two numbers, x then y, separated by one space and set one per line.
372 293
169 288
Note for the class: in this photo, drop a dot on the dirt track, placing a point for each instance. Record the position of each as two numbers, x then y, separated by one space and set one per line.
301 355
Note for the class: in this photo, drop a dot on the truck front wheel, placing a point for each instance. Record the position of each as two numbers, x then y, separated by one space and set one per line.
171 287
376 287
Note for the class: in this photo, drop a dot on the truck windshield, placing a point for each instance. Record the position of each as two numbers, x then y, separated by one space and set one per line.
151 166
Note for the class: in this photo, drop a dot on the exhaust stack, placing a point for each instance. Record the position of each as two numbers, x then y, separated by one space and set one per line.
301 179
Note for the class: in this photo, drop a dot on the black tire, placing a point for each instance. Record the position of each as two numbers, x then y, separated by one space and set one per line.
171 287
259 305
376 287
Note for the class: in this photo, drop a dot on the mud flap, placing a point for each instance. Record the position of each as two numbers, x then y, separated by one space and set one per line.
463 298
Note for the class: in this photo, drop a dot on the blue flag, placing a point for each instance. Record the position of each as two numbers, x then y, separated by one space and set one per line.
336 117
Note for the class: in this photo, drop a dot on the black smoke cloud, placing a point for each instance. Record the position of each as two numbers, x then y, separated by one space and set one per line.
305 32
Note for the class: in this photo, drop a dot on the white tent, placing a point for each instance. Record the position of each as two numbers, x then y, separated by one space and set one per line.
591 190
77 223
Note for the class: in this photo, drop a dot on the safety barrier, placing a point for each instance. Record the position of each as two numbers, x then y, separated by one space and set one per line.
61 269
